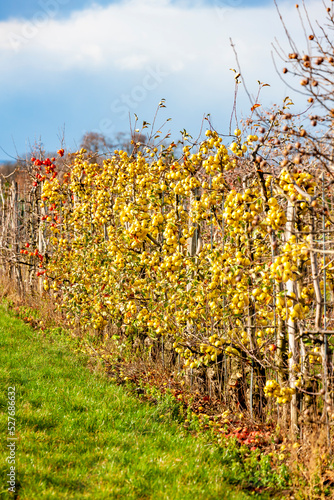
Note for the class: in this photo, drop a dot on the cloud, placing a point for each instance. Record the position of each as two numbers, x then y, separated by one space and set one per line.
131 53
131 34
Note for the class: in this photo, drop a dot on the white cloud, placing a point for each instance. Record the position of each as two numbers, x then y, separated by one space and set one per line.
148 49
131 34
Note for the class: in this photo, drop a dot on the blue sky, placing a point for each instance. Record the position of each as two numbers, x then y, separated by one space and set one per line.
72 66
27 8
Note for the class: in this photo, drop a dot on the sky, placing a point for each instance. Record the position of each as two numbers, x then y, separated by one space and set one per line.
75 66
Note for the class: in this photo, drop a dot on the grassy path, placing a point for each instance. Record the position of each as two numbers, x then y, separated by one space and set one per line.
79 436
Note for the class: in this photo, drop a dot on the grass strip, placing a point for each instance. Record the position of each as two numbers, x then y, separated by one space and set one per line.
79 436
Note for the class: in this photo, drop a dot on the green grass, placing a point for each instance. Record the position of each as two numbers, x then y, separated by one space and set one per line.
80 436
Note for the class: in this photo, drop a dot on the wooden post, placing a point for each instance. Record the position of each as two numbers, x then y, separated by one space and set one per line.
291 328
